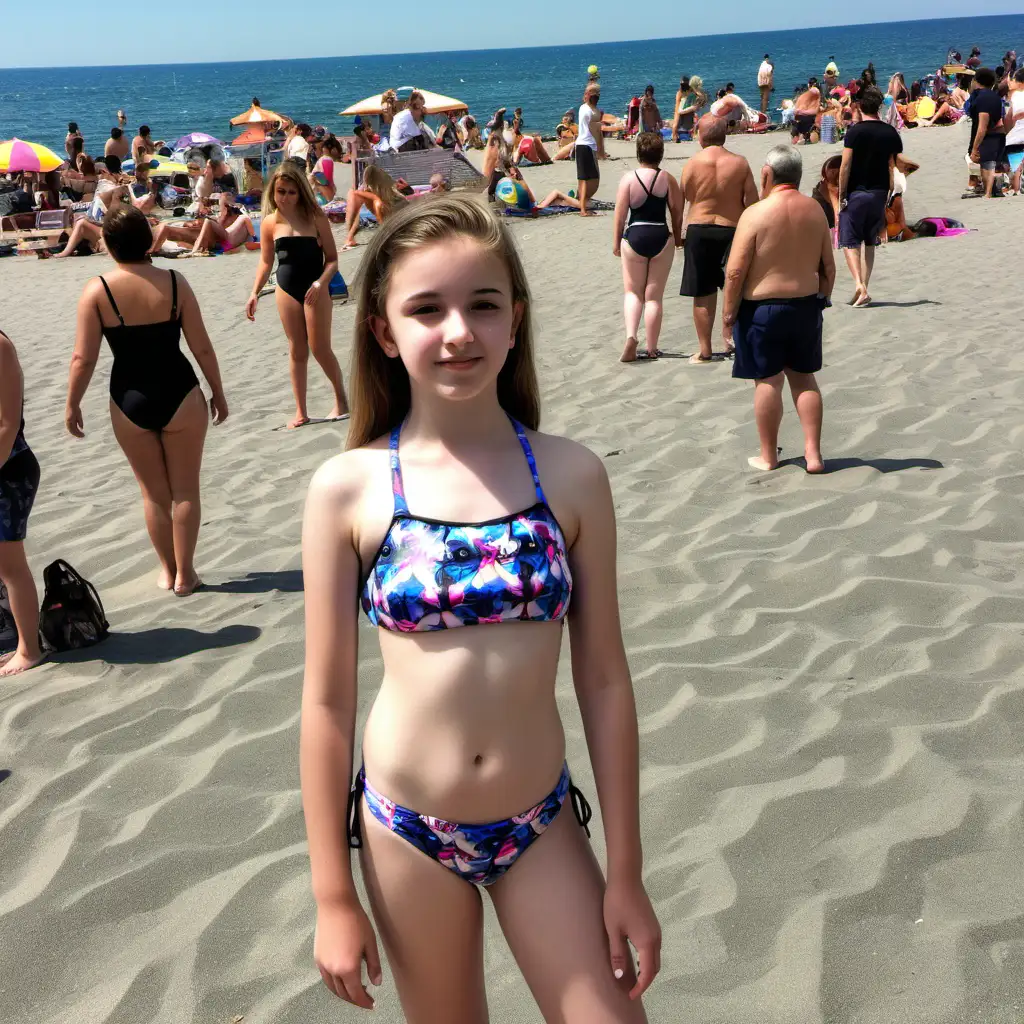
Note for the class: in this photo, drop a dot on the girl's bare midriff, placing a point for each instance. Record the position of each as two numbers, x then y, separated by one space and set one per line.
455 733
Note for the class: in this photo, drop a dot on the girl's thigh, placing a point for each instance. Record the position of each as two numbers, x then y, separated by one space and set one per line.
659 269
293 317
318 320
634 270
431 925
551 907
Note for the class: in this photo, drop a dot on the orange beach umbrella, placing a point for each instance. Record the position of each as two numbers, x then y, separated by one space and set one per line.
435 103
260 115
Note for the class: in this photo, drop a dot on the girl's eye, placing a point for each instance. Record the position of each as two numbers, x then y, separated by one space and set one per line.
484 304
425 311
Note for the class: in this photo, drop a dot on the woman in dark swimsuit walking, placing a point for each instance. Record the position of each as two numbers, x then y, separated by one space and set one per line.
19 481
299 233
157 407
647 199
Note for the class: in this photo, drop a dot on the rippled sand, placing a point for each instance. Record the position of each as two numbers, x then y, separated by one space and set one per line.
827 669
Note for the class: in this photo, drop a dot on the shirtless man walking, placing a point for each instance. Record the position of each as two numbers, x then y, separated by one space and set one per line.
780 278
717 185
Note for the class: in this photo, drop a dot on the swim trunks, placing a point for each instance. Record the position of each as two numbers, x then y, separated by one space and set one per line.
863 220
803 124
586 163
19 481
772 335
706 252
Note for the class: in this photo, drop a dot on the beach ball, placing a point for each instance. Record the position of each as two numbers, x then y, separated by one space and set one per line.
592 70
512 193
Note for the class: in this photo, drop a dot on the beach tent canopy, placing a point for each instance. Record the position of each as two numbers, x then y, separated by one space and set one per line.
252 135
260 115
435 103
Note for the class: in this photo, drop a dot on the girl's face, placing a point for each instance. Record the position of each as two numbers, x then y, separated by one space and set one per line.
450 318
286 195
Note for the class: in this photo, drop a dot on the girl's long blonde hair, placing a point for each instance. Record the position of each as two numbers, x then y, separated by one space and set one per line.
382 185
379 385
697 88
291 173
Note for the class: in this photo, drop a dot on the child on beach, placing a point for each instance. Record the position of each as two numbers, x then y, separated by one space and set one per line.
416 518
298 233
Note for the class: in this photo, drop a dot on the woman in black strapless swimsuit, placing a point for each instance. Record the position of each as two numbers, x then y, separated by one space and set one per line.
157 407
19 481
298 233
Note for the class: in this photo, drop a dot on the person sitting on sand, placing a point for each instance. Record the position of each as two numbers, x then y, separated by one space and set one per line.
732 109
527 147
944 112
471 133
252 180
408 132
19 483
650 115
228 230
324 175
497 160
186 233
143 146
717 185
780 278
898 88
449 135
157 407
81 180
805 114
109 195
378 194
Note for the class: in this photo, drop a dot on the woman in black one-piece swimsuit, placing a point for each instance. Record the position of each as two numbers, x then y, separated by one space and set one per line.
157 408
19 481
298 233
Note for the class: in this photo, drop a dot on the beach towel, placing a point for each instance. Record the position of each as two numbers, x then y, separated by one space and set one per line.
551 211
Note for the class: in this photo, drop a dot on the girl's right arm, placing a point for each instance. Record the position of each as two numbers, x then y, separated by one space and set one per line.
88 337
265 266
330 567
621 209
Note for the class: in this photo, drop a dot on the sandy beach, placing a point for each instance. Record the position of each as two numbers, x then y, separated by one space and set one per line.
827 670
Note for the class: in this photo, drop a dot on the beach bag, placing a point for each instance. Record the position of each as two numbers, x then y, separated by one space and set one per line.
8 630
72 615
337 287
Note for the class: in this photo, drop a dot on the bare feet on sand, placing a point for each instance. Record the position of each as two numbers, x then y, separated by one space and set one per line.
18 662
814 463
299 421
629 351
698 358
184 587
863 300
756 462
165 580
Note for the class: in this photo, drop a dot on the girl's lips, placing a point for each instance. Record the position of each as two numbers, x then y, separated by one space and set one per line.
459 364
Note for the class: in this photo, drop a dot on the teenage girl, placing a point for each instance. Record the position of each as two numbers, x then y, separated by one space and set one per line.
449 511
297 231
642 238
19 482
157 407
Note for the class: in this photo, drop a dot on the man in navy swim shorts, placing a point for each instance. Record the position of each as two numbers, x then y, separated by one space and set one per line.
778 281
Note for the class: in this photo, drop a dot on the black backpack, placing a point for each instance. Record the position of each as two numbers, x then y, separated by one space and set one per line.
72 614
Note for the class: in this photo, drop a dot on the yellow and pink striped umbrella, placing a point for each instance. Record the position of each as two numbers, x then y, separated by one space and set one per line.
18 155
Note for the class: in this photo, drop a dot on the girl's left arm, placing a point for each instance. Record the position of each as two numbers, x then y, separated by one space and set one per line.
605 693
330 248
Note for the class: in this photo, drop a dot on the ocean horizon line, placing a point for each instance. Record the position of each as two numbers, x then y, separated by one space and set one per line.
503 49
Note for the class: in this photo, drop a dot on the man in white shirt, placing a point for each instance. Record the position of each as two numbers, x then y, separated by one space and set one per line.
589 145
408 132
766 82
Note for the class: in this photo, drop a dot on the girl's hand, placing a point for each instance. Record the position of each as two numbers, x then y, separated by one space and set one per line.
73 421
250 306
629 919
616 251
312 293
218 408
343 940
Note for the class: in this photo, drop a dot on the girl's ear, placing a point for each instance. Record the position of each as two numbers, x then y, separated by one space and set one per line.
382 332
518 312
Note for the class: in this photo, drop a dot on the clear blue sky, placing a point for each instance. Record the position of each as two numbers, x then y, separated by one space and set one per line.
262 29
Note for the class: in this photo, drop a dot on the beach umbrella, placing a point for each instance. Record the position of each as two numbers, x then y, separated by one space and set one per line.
195 139
435 103
159 167
260 115
18 155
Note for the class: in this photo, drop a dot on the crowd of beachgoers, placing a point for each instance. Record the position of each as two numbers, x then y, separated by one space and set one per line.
443 356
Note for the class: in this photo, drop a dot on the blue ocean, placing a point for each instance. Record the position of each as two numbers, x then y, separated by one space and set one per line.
36 104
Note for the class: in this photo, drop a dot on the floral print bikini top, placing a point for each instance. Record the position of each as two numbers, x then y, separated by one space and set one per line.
430 575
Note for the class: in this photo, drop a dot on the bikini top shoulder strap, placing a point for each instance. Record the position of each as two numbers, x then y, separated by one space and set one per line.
530 460
642 185
397 488
174 295
113 304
